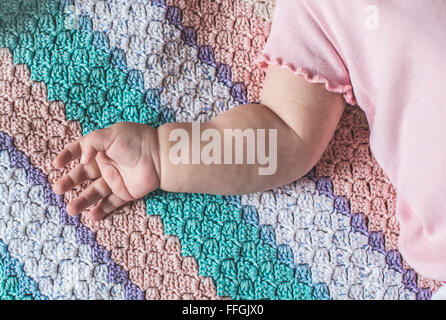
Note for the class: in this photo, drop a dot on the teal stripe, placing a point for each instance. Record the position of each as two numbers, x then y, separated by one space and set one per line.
75 72
14 283
227 248
94 92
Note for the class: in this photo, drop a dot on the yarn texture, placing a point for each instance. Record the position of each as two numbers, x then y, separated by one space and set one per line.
70 67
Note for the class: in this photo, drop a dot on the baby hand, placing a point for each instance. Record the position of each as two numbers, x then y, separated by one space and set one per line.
122 160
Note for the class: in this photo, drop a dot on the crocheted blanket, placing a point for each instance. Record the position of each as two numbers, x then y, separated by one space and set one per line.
70 67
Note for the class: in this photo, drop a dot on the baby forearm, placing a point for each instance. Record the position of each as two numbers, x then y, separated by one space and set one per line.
209 158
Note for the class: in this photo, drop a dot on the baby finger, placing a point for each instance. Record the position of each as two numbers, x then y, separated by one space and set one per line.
95 192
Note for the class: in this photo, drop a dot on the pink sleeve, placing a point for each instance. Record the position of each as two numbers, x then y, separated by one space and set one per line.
298 42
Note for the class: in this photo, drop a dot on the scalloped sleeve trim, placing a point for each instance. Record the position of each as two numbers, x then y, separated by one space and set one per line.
264 60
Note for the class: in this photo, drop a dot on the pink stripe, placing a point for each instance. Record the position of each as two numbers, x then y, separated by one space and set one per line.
356 175
237 36
136 241
234 32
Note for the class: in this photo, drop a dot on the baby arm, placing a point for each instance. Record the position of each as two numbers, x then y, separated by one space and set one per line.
129 160
305 116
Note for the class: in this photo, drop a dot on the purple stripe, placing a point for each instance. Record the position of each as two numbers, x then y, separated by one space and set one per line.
35 176
376 239
205 53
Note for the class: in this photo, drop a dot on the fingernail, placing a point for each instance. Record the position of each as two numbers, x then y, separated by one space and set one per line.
83 159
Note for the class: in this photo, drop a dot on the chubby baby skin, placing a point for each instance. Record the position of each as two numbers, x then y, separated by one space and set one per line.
126 161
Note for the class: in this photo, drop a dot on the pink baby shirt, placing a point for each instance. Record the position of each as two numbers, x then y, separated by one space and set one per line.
389 57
